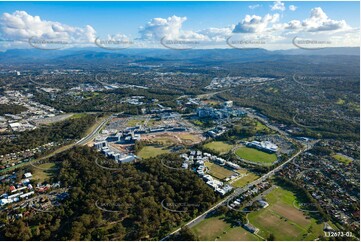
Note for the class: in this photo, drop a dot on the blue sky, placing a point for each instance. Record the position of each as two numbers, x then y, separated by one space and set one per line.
126 17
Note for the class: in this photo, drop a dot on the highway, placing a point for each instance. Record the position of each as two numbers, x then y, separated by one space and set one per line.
92 135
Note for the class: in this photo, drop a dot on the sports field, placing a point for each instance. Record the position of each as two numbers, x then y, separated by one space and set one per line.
282 219
219 146
214 228
151 151
255 155
218 171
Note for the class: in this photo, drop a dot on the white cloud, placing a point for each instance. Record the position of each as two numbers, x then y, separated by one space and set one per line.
292 7
158 28
255 24
254 6
22 26
171 29
278 5
317 22
217 34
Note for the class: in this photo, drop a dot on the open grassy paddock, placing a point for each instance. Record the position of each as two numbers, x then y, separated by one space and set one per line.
214 228
218 171
282 219
342 158
151 151
255 155
241 182
45 172
219 146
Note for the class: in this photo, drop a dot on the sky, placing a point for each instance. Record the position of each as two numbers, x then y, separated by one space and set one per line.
270 25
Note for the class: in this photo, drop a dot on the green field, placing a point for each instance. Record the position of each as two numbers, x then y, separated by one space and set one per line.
282 219
219 146
151 151
261 127
214 228
218 171
134 122
255 155
342 158
245 180
43 174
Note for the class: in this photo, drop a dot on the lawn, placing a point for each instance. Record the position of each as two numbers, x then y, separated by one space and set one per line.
151 151
219 146
249 177
217 171
342 158
45 172
283 220
255 155
214 228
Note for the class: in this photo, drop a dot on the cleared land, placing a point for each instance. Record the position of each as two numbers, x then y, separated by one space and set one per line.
249 177
219 146
283 220
342 158
44 172
173 138
151 151
218 171
255 155
214 228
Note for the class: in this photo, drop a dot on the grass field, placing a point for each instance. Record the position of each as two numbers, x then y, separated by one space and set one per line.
260 127
219 146
218 171
283 220
189 137
214 228
342 158
255 155
42 174
134 122
151 151
245 180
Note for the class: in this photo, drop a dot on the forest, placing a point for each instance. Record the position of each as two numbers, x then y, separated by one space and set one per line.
69 129
127 204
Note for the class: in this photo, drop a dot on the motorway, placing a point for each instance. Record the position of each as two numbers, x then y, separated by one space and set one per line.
92 135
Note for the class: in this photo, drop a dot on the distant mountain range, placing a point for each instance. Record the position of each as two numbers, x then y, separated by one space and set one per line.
156 55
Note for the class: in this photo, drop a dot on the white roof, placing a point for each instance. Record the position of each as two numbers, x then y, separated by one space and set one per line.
28 174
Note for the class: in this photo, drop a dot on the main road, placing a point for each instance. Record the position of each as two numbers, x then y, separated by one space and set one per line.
92 135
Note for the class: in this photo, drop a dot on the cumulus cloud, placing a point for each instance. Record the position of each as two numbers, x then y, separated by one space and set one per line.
278 5
158 28
317 22
254 6
292 7
255 24
171 28
21 26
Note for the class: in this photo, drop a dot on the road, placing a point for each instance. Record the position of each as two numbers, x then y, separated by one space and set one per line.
92 135
239 191
82 141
